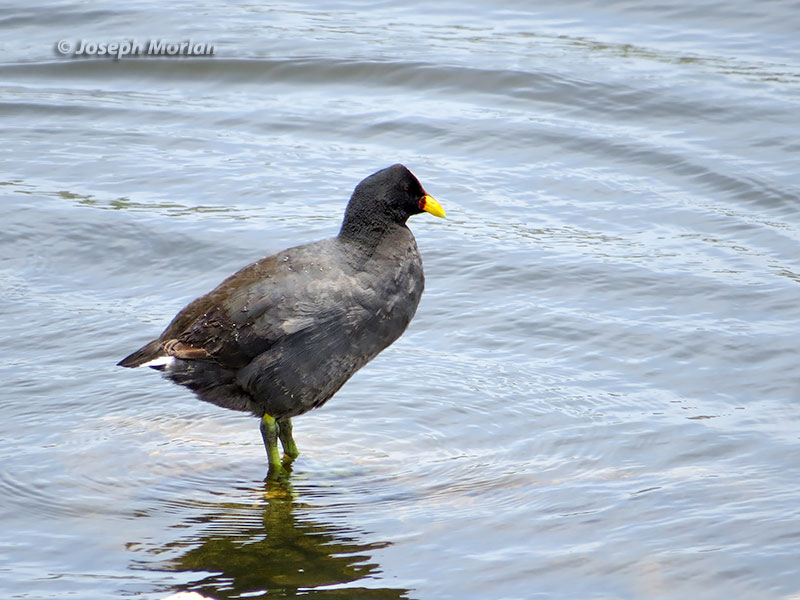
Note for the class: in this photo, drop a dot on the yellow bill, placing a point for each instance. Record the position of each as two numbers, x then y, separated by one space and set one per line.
430 205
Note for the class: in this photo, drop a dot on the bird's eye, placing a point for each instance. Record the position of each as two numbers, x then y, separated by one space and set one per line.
405 187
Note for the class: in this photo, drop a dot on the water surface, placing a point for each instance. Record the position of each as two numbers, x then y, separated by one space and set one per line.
598 396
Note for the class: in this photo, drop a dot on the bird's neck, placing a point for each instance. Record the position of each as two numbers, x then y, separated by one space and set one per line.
367 231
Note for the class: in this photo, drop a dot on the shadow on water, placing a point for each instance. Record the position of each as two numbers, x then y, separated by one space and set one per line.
272 545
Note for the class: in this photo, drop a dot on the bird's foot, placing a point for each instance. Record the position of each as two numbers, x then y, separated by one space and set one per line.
278 472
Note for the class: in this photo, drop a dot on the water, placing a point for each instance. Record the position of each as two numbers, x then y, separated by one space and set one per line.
598 396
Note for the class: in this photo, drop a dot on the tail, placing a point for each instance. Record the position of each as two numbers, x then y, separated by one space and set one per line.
144 354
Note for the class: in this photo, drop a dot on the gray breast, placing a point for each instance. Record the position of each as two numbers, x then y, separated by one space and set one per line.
334 329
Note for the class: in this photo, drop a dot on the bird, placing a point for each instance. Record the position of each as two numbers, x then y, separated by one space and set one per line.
282 335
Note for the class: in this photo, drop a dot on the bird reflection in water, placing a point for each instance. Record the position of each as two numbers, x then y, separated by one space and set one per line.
277 547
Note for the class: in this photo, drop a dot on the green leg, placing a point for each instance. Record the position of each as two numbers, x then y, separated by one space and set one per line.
269 432
287 441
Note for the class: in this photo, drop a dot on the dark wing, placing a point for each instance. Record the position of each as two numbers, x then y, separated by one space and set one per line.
280 296
193 315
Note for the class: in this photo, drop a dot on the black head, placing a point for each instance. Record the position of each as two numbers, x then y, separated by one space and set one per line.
385 198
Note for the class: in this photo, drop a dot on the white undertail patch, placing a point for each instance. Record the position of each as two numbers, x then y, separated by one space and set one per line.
161 362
